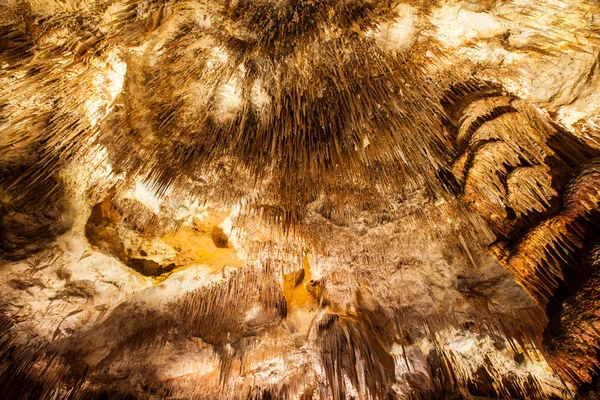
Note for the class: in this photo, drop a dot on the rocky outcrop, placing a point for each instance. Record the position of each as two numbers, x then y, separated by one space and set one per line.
155 245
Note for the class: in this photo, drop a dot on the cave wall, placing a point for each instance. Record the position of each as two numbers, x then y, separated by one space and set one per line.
298 199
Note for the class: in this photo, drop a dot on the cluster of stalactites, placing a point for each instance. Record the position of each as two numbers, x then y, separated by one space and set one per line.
538 187
232 330
287 97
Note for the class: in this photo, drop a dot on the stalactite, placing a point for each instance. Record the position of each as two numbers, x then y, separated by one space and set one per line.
545 209
294 199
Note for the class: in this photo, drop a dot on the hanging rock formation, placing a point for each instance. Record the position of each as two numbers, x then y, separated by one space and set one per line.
299 199
538 187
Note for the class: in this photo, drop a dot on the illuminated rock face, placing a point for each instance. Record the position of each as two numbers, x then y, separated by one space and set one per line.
296 199
538 189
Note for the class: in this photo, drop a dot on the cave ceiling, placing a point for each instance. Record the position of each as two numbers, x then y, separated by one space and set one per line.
299 199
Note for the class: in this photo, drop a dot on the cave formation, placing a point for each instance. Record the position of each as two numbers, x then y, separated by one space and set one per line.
299 199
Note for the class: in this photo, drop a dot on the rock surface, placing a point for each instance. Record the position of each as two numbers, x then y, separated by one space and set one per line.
299 199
